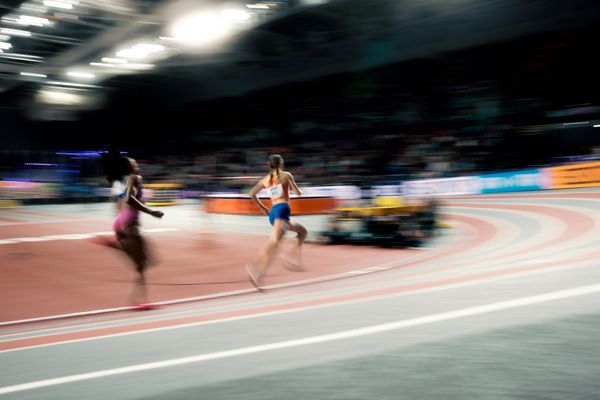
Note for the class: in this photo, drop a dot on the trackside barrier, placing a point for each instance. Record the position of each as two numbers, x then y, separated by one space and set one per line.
569 176
575 175
466 185
500 182
346 192
518 181
18 190
244 205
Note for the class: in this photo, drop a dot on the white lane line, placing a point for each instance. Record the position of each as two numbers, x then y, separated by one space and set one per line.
389 265
392 264
74 236
55 221
305 308
65 316
347 334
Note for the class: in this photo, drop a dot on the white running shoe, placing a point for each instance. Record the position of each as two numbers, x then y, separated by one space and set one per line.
254 276
293 264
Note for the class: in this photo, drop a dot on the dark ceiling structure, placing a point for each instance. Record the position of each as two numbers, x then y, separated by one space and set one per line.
62 57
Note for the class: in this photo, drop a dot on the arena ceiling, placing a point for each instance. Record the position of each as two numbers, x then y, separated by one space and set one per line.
58 57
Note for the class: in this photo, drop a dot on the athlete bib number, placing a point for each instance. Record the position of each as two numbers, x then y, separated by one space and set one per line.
275 191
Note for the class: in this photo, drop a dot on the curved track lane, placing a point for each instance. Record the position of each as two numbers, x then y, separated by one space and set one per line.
513 266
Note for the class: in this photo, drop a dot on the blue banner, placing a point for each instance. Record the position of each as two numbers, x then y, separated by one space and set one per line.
518 181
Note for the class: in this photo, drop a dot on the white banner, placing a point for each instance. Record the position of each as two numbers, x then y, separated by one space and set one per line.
467 185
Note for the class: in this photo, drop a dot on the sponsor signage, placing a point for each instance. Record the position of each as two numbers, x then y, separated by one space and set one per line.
575 175
518 181
466 185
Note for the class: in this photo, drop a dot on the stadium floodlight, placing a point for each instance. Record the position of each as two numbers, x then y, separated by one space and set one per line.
199 28
5 45
22 57
237 15
73 84
33 75
58 4
257 6
57 96
81 75
28 20
29 6
9 20
576 123
140 50
137 66
207 26
99 64
112 60
15 32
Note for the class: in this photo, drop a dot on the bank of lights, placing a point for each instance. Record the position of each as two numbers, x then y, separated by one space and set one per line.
15 32
127 66
208 26
257 6
58 4
59 97
27 20
81 75
34 75
111 60
139 51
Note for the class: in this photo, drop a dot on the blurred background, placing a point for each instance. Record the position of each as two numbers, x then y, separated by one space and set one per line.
385 111
350 92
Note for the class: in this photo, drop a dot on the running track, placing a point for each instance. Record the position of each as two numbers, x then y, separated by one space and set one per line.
503 305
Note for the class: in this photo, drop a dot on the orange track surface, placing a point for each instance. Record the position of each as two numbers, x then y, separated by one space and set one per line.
66 276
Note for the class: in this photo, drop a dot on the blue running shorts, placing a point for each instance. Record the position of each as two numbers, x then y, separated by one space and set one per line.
280 211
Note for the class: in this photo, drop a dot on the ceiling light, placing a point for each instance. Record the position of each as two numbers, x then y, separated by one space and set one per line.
576 123
15 32
22 57
114 60
4 37
26 56
9 20
58 4
97 64
36 8
34 75
201 28
32 21
81 74
73 84
59 97
5 45
141 50
236 15
136 66
258 6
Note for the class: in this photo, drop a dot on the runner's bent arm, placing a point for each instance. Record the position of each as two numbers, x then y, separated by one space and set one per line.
135 203
253 195
295 187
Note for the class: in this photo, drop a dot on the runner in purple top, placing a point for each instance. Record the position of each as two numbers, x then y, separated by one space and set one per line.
127 229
